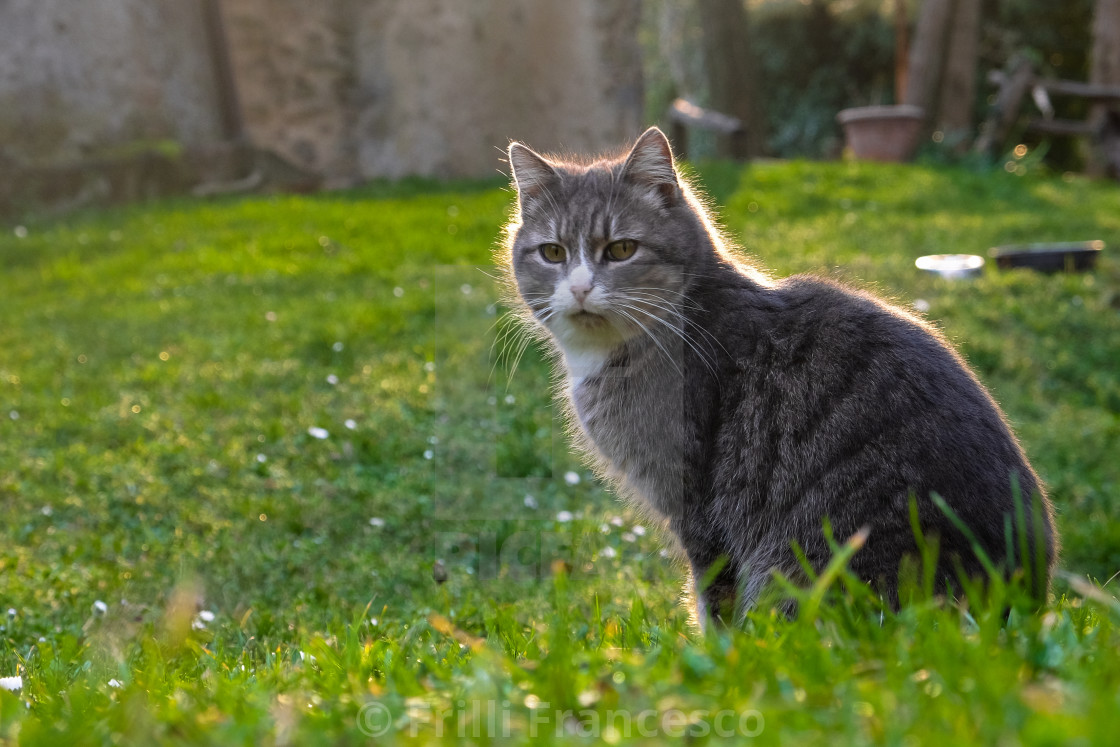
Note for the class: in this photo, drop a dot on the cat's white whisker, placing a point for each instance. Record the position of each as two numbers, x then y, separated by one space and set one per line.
670 308
679 333
685 320
679 294
515 334
649 333
675 305
523 346
506 339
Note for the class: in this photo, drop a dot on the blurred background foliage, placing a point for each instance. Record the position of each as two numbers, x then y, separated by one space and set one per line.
816 57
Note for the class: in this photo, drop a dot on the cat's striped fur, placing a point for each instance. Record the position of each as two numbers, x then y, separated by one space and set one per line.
745 411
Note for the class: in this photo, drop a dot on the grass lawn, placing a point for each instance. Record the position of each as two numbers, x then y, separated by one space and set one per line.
240 440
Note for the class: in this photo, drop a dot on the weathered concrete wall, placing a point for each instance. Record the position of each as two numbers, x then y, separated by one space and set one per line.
293 65
349 89
376 88
82 77
442 84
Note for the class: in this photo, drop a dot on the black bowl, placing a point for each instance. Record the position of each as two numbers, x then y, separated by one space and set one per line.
1064 256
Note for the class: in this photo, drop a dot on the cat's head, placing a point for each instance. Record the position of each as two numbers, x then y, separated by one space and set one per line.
601 252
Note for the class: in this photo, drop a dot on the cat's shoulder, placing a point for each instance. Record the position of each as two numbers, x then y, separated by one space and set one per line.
816 293
816 301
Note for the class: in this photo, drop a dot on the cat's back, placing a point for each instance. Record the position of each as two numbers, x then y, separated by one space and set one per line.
828 332
839 383
816 329
835 403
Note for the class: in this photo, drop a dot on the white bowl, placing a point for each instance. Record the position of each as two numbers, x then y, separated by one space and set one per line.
951 266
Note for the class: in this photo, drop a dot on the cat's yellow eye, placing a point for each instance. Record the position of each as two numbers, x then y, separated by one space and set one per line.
622 249
553 252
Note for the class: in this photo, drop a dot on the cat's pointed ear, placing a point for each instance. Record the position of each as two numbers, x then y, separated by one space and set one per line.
650 164
532 173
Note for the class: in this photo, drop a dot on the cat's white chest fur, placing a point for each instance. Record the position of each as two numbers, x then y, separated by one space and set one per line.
584 361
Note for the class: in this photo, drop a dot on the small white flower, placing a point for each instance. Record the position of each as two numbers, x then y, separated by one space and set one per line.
605 528
206 616
530 502
921 305
20 232
639 530
14 414
332 379
377 521
510 399
428 453
319 433
337 347
616 520
12 612
430 366
373 621
197 624
115 683
564 516
607 552
11 684
262 458
628 537
398 291
465 289
350 423
433 440
100 607
270 316
572 478
46 510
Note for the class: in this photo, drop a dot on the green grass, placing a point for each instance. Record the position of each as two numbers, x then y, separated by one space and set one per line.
185 561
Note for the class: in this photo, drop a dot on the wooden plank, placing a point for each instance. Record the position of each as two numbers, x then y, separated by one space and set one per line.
689 114
1091 91
1004 112
1061 127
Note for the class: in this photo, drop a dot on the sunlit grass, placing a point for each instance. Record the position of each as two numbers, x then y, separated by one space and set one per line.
283 411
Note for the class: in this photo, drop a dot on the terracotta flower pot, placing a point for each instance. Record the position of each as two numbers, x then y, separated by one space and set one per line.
882 133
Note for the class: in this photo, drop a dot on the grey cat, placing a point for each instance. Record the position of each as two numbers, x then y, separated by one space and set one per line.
745 411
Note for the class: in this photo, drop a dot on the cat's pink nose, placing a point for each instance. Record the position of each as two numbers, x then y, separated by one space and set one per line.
580 291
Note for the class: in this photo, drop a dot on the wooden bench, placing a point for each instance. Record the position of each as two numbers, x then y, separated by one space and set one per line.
684 114
1019 79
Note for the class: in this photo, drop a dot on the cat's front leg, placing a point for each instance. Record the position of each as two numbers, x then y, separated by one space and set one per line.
714 578
715 592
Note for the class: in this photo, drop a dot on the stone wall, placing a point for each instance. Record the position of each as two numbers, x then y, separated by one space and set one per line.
348 89
293 69
443 85
82 78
